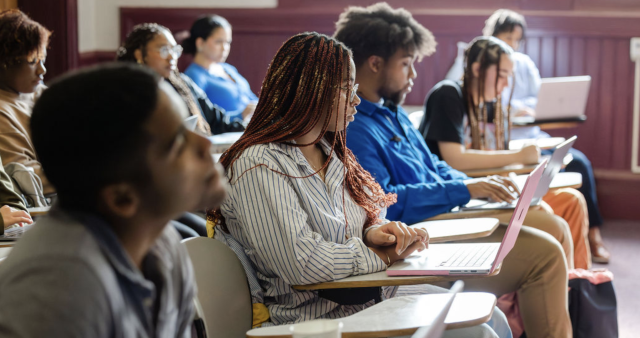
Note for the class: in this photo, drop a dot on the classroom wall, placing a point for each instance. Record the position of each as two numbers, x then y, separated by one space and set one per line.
98 20
565 37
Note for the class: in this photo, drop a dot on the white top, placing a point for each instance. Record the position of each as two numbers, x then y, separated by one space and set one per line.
293 230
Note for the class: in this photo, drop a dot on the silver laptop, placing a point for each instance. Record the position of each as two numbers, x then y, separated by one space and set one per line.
438 326
191 122
552 169
470 258
13 234
562 97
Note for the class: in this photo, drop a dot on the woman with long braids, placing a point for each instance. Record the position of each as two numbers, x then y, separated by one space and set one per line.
299 204
465 126
154 46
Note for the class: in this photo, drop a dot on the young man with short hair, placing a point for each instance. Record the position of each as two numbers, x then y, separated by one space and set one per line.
386 42
104 263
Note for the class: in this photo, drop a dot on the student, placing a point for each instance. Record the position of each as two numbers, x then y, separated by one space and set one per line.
24 50
12 209
459 127
210 42
299 204
103 263
510 27
385 43
153 45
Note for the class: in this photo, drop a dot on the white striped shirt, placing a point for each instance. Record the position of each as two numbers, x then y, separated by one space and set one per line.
293 230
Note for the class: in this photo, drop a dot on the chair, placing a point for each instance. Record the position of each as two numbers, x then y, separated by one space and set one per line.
416 118
223 291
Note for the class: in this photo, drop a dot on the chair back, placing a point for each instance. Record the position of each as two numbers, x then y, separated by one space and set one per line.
223 291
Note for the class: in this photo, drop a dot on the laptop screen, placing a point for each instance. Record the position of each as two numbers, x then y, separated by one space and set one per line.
519 214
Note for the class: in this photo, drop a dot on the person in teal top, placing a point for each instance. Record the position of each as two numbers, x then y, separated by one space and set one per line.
210 42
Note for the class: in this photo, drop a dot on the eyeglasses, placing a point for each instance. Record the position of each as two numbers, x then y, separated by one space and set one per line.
354 90
175 51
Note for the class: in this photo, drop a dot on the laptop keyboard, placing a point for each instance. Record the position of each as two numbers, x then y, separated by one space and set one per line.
472 255
14 232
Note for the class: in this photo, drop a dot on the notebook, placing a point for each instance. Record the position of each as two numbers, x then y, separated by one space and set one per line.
438 326
13 234
470 258
552 169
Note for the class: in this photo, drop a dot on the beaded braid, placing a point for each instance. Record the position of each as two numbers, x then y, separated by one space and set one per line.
139 37
486 52
303 78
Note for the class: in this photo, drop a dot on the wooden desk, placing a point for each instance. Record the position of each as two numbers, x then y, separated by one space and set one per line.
220 143
561 180
400 316
555 123
542 143
518 169
503 171
458 229
40 211
379 279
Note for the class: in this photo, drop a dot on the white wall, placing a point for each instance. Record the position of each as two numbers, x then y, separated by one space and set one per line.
99 20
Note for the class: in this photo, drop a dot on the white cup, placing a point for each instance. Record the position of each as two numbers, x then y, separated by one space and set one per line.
321 328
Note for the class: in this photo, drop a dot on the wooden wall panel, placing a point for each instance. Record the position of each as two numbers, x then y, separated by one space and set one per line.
560 44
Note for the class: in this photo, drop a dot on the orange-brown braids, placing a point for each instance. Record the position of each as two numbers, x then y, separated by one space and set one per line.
304 78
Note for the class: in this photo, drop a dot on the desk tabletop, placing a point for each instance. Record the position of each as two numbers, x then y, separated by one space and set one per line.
514 168
401 316
458 229
378 279
561 180
39 211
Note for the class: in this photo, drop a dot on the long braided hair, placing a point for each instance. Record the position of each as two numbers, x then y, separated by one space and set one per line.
139 37
304 78
487 51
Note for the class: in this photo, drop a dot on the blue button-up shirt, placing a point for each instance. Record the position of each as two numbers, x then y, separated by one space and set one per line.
387 145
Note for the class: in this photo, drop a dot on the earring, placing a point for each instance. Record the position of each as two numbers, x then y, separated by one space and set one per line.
139 61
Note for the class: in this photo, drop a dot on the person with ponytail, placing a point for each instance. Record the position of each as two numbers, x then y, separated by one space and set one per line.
522 97
386 42
153 45
465 126
209 42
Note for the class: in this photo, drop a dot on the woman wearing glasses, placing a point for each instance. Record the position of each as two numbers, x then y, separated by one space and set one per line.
209 43
154 46
299 204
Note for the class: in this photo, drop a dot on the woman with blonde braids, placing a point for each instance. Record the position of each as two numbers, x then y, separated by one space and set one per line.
299 204
460 127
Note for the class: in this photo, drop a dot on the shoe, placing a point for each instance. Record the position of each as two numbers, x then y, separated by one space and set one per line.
599 254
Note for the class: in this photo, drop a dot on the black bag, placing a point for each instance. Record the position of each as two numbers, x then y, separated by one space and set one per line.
593 309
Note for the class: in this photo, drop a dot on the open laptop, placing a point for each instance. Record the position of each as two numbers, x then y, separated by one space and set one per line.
13 234
553 168
470 258
438 326
560 99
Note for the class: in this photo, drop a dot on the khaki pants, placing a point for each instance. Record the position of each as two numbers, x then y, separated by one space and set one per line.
542 218
536 268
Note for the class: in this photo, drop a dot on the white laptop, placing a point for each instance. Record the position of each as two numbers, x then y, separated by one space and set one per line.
438 326
470 258
560 98
191 122
553 168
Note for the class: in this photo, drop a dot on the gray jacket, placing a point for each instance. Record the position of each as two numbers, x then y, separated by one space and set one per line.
69 277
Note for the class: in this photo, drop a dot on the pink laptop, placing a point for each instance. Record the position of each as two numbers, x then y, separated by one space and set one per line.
470 258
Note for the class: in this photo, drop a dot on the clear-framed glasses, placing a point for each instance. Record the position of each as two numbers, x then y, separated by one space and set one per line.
175 51
354 90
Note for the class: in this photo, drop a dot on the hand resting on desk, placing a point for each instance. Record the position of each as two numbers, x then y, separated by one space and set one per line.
395 240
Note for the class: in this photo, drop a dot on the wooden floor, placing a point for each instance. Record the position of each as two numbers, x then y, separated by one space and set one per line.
623 239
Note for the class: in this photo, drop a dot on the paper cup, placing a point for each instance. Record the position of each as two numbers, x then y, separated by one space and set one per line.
322 328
